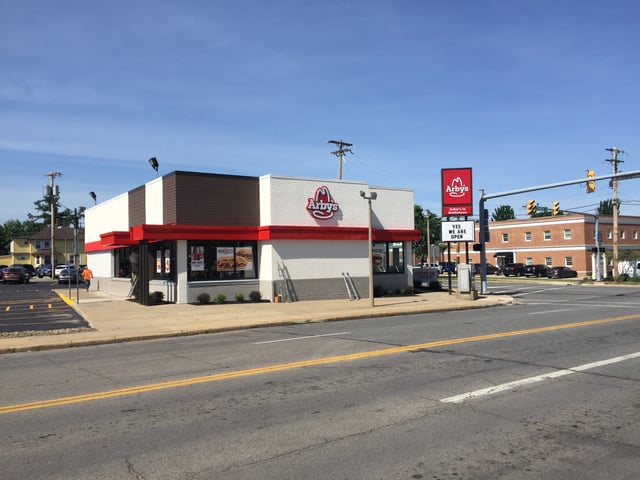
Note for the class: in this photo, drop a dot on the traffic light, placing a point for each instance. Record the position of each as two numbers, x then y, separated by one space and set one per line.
591 184
531 207
556 208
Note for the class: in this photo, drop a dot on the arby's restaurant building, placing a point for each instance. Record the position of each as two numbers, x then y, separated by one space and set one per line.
188 233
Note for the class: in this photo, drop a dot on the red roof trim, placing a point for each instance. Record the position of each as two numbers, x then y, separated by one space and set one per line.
273 232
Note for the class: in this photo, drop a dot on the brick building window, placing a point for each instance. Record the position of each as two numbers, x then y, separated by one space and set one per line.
567 234
609 235
622 235
505 237
568 261
547 234
527 236
529 261
635 234
547 262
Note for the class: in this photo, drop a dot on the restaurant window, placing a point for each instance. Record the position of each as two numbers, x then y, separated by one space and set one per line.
221 260
122 263
165 260
388 257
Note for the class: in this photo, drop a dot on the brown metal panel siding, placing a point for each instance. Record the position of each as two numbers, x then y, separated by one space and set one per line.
137 215
209 199
169 202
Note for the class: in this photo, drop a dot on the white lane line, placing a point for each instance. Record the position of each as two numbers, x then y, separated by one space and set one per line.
301 338
539 378
550 311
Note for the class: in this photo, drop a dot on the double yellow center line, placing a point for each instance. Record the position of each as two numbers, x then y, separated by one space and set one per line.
88 397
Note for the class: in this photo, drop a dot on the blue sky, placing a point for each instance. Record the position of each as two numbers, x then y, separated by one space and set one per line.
526 93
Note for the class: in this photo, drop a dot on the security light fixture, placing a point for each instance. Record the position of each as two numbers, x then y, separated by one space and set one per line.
153 161
93 195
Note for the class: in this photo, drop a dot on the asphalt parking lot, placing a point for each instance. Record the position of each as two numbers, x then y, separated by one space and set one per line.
35 307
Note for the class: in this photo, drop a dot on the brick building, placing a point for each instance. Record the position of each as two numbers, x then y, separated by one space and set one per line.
565 240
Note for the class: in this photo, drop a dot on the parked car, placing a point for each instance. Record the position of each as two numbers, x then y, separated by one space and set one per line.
30 269
433 265
561 272
68 275
44 270
2 269
58 269
515 269
536 270
491 269
15 275
449 267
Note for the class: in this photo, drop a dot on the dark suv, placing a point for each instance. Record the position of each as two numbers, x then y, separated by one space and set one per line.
515 269
30 269
536 270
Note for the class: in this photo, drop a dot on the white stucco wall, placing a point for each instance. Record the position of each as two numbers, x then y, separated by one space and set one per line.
284 202
108 216
154 205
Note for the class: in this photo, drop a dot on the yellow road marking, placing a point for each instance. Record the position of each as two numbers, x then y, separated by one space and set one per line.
8 307
30 307
292 365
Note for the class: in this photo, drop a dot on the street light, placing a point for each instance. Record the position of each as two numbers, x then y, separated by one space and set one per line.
93 195
153 161
372 196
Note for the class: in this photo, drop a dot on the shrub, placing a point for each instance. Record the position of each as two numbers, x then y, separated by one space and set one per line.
239 297
378 291
435 286
156 297
204 298
255 296
220 298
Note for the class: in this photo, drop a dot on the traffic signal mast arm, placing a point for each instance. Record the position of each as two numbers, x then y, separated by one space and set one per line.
483 221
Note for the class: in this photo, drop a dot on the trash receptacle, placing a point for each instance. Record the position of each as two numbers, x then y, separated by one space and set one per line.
465 280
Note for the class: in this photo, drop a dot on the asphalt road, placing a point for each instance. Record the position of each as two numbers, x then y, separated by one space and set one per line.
35 306
547 388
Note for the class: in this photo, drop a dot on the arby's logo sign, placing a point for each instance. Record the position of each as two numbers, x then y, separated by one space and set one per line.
457 197
321 205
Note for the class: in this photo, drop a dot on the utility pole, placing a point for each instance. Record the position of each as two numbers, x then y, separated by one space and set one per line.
340 153
616 208
52 196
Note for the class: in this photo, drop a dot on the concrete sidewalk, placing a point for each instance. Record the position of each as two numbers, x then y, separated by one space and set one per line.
116 319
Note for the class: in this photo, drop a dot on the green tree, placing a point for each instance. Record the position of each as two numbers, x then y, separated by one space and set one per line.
503 212
63 216
543 212
421 219
15 228
606 207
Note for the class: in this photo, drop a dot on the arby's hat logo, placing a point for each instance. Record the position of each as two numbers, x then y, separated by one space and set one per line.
321 205
457 189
